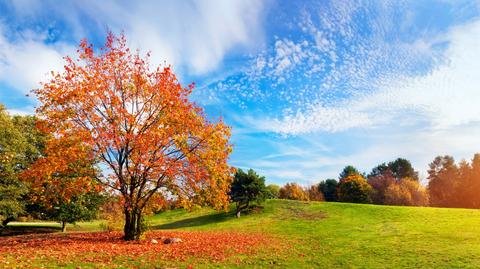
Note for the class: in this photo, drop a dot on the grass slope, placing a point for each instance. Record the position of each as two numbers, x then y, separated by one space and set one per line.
338 235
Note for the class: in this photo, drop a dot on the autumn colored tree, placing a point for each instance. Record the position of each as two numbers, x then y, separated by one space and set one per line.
293 191
314 193
380 182
141 126
61 185
406 192
247 188
354 189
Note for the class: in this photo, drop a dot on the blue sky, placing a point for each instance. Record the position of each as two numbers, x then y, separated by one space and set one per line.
308 86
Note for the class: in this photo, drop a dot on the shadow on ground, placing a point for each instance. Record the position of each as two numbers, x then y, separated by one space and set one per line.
22 230
196 221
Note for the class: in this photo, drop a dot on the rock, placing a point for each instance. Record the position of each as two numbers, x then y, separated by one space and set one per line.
172 240
153 241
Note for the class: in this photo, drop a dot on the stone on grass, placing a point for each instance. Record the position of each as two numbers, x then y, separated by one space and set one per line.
172 240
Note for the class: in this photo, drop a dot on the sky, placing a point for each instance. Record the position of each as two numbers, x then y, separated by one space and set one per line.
307 86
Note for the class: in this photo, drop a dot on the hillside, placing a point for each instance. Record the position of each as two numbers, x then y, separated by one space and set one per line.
337 235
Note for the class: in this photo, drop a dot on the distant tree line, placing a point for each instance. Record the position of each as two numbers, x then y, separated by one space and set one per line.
449 184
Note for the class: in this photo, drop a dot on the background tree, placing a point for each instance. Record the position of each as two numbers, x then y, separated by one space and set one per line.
354 189
329 190
406 192
399 168
140 124
314 193
247 188
443 180
273 191
380 179
293 191
61 182
347 171
402 168
20 144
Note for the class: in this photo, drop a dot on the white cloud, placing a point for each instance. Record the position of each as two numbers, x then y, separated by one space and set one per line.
25 62
194 35
445 97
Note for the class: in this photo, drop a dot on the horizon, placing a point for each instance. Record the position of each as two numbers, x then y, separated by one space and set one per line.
307 87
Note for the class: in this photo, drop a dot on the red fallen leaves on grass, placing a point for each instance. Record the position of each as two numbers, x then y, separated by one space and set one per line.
104 247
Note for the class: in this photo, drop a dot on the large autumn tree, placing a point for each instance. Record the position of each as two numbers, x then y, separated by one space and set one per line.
148 137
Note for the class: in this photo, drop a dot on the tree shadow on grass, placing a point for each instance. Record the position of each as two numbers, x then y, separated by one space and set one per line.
23 230
196 221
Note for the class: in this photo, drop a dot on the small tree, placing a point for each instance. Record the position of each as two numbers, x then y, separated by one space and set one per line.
247 188
273 191
61 185
293 191
329 190
354 189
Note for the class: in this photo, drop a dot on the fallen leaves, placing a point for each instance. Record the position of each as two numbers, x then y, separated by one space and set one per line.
107 247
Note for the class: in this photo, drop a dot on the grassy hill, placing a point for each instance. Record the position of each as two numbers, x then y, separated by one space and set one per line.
338 235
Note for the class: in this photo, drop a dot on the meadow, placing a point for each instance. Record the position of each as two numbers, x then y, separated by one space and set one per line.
283 234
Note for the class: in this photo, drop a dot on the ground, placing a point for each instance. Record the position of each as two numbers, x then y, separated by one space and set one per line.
284 234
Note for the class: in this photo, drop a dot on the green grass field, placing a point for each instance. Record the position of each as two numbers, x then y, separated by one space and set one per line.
337 235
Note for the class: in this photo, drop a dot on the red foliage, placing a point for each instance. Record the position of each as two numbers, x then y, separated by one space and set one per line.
106 247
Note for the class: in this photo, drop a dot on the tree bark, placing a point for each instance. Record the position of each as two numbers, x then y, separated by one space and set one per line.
64 226
133 225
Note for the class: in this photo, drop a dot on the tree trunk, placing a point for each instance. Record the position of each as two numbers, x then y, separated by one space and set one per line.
6 221
64 226
133 225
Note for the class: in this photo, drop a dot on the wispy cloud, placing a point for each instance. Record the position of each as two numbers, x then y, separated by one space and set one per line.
443 98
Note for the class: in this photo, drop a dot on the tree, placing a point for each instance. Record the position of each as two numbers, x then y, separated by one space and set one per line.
61 182
402 168
406 192
273 191
293 191
314 193
347 171
139 124
443 181
329 189
354 189
247 188
380 179
20 145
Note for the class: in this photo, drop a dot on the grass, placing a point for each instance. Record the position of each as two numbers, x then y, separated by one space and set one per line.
338 235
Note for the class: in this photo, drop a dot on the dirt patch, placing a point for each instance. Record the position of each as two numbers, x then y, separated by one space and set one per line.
300 213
